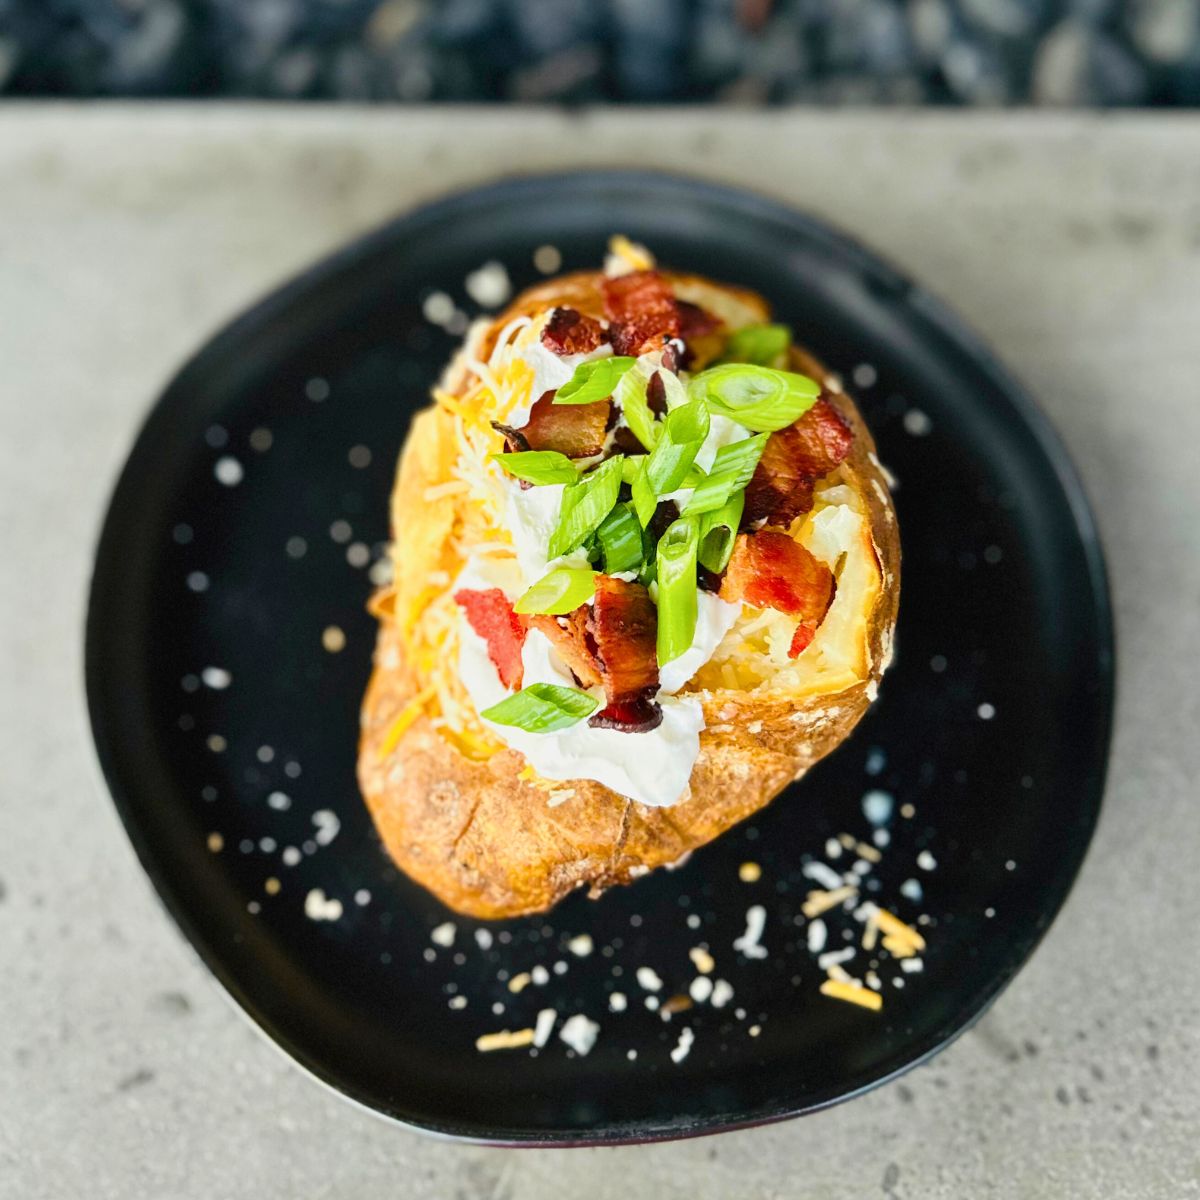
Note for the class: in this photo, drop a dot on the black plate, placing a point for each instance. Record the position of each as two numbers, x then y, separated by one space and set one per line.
1005 607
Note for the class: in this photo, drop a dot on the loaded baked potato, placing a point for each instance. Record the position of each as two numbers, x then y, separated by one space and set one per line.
646 572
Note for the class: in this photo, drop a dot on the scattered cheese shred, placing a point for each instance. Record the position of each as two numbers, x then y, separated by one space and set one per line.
411 711
852 994
440 491
505 1039
819 902
893 926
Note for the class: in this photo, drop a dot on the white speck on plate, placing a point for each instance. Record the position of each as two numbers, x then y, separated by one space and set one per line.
544 1026
341 531
216 743
381 572
296 547
686 1038
547 259
911 889
722 993
864 375
260 440
817 934
581 946
917 422
333 639
881 838
648 978
317 389
877 806
579 1033
540 975
319 907
358 554
617 1002
748 943
291 856
228 470
560 967
265 754
833 848
912 965
359 457
438 308
483 939
1010 865
362 897
820 873
489 286
876 761
327 824
216 678
926 861
693 921
279 801
443 935
754 1030
700 989
986 711
937 663
458 1002
197 581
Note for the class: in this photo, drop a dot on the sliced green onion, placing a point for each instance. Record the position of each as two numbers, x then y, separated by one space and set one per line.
538 466
559 591
683 433
592 381
718 530
631 399
760 398
585 504
620 538
677 605
731 472
763 345
644 499
542 708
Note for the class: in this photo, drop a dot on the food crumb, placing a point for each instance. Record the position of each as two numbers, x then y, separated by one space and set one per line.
544 1026
457 1002
702 960
700 989
648 978
319 907
540 975
518 983
749 872
443 935
748 943
333 639
271 886
215 842
817 934
483 939
579 1033
617 1002
504 1039
754 1030
581 946
926 861
722 993
683 1046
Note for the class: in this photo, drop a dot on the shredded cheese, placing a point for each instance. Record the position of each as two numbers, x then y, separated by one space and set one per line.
411 711
852 993
505 1039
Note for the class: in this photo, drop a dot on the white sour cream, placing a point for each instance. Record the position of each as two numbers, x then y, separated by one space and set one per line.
652 768
714 618
531 516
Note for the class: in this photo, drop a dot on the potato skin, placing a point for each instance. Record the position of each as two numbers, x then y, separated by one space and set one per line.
486 842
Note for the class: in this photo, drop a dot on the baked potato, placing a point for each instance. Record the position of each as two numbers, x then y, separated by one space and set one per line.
650 540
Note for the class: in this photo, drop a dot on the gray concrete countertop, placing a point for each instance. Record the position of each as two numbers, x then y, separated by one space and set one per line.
128 234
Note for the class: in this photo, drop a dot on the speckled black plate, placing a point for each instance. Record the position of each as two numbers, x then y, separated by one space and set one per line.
236 556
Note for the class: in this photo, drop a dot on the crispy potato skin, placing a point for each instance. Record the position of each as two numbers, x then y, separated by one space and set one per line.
486 842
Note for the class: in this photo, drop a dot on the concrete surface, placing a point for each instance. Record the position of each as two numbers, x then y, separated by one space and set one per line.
128 234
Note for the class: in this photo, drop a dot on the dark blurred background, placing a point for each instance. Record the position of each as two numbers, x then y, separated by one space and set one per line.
836 52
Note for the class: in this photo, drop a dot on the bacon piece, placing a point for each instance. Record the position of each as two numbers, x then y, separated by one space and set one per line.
491 616
625 628
792 460
643 312
568 331
576 430
629 716
572 640
695 321
770 570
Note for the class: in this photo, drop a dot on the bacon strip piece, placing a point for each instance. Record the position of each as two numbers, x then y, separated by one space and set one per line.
770 570
491 616
612 643
792 460
576 430
643 312
568 331
695 321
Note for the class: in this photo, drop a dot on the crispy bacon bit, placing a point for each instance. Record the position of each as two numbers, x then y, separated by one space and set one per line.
792 460
769 570
568 331
576 430
802 638
643 312
514 440
695 321
491 616
629 716
573 642
625 626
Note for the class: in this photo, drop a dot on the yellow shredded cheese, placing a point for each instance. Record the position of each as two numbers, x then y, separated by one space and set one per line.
852 993
891 924
411 711
505 1039
819 902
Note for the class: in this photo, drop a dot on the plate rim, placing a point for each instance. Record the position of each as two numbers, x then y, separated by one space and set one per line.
943 322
